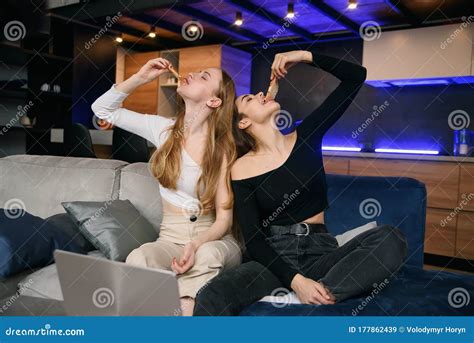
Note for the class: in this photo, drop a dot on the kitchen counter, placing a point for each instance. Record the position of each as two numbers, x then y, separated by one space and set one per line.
395 156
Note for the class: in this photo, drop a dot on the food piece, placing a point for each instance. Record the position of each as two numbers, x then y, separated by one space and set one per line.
272 90
175 73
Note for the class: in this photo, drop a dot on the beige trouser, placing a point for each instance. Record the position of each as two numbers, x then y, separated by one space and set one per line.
177 230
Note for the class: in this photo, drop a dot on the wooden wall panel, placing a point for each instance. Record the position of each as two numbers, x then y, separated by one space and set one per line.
200 57
145 98
441 179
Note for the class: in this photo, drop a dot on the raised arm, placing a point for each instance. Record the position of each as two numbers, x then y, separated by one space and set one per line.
148 126
246 210
352 77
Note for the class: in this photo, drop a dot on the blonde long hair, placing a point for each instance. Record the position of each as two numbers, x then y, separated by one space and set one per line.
166 161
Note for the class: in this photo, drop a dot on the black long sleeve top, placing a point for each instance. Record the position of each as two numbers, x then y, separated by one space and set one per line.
297 189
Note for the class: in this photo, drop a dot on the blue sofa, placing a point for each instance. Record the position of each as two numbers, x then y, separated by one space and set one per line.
413 291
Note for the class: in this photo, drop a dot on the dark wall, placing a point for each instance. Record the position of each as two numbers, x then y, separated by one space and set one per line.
94 71
416 117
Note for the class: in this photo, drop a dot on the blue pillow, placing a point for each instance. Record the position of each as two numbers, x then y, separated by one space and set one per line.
28 242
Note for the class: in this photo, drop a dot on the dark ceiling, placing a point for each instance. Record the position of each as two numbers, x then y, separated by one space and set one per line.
262 19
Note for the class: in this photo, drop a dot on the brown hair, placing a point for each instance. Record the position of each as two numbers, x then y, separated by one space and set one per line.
166 161
244 141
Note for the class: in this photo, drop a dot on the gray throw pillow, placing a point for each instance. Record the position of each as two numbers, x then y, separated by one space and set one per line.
115 227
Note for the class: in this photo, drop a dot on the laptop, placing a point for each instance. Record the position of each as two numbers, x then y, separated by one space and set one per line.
96 286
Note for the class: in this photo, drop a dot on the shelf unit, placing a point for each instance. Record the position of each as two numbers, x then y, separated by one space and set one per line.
40 57
168 100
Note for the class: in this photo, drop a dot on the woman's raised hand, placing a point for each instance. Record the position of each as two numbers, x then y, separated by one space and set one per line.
153 68
285 60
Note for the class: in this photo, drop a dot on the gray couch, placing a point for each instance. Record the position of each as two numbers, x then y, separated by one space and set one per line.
43 182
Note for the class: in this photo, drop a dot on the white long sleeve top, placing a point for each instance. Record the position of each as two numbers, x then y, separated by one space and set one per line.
153 128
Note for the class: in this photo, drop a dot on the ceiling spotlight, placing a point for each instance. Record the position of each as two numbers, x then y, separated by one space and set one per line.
119 39
291 10
238 19
352 4
192 28
152 33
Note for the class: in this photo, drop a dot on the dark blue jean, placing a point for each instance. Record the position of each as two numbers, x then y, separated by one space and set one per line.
346 271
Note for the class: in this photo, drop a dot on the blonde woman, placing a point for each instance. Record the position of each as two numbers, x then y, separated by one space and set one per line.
191 163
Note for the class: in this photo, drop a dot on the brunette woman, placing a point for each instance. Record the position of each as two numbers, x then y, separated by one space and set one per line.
280 195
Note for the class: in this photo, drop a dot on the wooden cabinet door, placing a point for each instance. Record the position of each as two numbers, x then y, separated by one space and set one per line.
145 98
440 232
441 178
465 236
466 186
